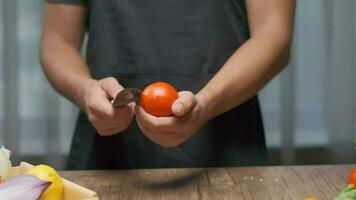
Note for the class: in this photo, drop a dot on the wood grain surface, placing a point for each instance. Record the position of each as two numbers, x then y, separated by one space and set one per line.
241 183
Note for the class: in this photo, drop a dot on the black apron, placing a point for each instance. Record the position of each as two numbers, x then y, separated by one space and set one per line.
182 42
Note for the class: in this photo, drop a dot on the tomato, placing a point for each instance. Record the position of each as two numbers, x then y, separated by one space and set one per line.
352 177
157 99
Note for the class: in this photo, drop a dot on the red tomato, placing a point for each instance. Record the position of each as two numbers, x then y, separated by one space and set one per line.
157 99
352 177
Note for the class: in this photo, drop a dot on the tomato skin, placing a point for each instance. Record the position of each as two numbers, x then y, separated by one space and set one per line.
352 177
157 99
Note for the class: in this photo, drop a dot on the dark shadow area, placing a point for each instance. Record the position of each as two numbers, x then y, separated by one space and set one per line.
175 182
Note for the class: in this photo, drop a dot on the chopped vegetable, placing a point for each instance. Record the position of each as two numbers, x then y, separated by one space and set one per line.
349 193
23 187
352 177
47 173
5 164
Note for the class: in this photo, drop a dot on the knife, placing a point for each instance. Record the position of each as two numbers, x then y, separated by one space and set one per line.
126 96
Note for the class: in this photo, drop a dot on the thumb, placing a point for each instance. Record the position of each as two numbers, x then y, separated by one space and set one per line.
184 104
111 86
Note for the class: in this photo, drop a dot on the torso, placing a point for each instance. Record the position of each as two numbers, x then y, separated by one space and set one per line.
183 42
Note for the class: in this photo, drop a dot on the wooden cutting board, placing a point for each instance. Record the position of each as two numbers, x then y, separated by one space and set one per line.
240 183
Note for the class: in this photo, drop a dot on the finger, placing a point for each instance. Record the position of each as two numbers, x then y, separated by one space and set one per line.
100 105
184 104
165 139
105 131
102 108
111 86
156 124
142 126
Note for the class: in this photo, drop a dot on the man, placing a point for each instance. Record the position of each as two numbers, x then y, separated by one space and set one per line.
218 53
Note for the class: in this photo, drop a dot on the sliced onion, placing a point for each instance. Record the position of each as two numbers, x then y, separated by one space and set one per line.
23 187
5 163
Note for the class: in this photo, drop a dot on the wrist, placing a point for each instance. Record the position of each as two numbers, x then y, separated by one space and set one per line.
83 92
205 107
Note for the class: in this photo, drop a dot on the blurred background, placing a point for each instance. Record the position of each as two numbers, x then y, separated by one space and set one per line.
309 109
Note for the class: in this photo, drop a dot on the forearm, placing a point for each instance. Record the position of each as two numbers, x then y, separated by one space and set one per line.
65 68
247 71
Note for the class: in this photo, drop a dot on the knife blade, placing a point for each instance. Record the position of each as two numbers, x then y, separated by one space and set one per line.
126 96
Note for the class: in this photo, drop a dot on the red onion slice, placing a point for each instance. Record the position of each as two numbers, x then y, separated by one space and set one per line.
23 187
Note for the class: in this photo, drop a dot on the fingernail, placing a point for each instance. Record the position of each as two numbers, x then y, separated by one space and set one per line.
178 108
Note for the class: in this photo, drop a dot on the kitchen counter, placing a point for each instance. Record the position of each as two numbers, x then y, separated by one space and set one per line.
245 183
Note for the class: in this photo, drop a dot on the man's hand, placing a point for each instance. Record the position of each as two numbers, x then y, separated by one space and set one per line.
105 118
173 131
